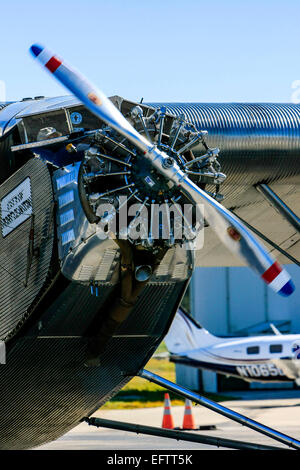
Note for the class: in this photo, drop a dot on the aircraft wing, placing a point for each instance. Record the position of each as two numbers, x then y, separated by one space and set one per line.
250 205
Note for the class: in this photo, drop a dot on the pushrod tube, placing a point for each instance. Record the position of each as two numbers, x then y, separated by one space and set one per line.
239 418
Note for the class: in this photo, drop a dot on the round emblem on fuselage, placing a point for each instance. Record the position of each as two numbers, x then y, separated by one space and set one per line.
76 118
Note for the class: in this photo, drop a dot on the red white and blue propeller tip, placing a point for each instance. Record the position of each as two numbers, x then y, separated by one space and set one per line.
279 280
50 61
231 231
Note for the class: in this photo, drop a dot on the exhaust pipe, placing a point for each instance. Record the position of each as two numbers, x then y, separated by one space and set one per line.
143 272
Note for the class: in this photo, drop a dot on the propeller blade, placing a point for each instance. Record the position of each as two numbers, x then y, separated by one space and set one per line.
93 98
233 233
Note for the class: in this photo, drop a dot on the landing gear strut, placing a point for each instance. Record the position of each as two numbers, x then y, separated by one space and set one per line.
192 437
250 423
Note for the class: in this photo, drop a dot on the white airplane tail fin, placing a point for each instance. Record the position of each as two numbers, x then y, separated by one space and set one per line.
186 334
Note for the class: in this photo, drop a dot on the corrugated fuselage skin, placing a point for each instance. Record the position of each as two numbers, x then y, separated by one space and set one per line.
257 141
45 387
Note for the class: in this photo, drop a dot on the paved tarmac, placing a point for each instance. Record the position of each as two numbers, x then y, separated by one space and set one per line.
277 409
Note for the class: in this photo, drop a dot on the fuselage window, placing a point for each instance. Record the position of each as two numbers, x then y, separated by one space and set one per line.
275 348
253 350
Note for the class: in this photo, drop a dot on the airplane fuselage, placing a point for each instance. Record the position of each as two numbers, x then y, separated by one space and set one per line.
264 359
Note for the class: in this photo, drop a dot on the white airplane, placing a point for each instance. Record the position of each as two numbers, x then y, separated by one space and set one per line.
268 358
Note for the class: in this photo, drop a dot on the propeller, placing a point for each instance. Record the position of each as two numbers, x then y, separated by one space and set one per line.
232 232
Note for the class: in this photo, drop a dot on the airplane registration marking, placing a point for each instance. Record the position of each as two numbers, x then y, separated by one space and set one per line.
259 370
16 207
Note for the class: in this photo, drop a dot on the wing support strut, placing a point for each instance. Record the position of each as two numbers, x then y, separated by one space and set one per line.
178 435
279 205
220 409
268 240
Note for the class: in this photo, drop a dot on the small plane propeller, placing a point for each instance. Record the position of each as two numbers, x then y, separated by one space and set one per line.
232 232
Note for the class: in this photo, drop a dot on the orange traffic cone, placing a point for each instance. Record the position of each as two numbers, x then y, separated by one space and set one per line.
168 422
188 418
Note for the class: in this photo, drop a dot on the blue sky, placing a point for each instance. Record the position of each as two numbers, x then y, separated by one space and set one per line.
165 50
